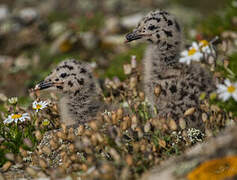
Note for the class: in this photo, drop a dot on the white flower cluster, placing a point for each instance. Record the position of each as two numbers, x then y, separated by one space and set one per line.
227 90
195 135
178 137
196 52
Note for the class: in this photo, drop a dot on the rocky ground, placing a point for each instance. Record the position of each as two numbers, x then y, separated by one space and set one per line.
126 143
214 159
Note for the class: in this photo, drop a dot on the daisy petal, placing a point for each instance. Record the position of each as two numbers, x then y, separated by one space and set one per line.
195 45
184 53
234 95
227 82
225 96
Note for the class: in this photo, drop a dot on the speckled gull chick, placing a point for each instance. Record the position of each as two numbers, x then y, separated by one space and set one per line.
180 85
80 100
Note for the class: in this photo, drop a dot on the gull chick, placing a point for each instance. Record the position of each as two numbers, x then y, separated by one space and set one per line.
178 86
80 100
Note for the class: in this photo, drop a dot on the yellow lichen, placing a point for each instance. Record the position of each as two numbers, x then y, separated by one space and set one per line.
217 169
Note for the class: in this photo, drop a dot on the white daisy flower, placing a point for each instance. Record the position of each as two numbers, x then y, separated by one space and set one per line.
193 54
227 90
39 105
204 46
16 117
13 100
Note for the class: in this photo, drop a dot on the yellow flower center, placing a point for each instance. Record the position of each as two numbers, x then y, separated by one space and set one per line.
16 116
204 43
38 106
192 51
231 89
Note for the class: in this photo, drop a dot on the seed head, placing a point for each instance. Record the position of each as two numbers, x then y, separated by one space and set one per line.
43 163
189 111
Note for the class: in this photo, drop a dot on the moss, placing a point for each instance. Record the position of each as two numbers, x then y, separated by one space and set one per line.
116 67
203 6
58 16
3 159
231 72
93 22
24 101
219 22
228 106
46 60
233 63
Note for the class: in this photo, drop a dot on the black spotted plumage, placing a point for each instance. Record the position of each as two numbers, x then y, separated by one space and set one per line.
180 84
80 99
168 33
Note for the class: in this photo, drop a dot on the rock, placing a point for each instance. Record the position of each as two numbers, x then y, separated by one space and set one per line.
234 21
56 29
89 40
93 65
28 15
17 37
234 4
132 20
112 25
127 68
50 156
182 11
87 6
6 61
4 12
6 166
113 40
3 97
22 62
212 154
9 26
63 43
56 145
15 173
229 34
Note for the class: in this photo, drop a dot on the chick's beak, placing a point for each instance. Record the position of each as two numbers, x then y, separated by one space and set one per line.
43 85
135 35
132 36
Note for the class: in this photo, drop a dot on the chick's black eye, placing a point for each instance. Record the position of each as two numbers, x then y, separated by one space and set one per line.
63 75
151 27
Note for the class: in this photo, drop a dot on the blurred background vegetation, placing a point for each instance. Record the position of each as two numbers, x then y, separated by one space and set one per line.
36 35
